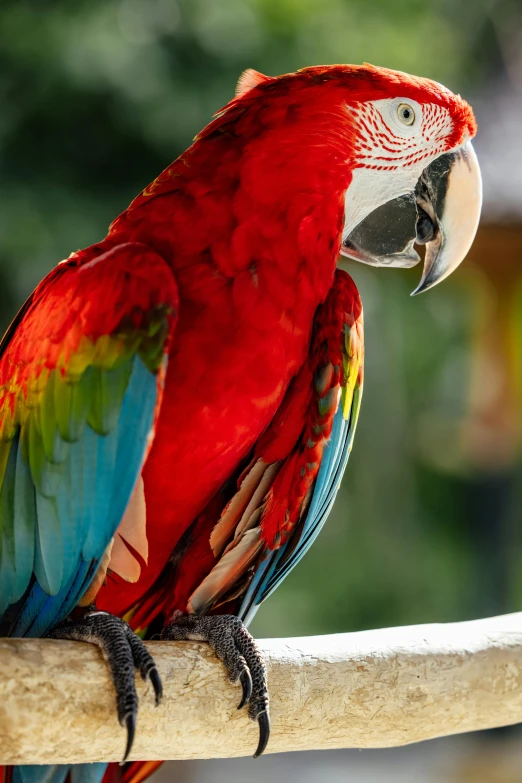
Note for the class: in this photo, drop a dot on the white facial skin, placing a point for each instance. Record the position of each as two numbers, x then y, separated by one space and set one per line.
396 138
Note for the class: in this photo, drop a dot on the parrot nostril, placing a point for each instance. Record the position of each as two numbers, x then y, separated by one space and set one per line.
425 228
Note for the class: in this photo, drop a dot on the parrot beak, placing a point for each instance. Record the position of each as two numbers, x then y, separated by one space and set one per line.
442 213
451 201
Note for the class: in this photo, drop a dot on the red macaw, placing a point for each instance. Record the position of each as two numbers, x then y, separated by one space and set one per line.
178 401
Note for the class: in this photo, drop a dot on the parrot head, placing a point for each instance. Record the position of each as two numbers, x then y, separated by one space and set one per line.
412 176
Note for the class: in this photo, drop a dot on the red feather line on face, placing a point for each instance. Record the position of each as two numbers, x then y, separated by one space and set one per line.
380 149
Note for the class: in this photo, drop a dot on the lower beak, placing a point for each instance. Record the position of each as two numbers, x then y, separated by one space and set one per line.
442 213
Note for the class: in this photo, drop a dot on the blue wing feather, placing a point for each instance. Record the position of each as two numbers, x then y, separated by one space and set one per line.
7 492
40 773
56 773
105 468
40 611
278 564
48 561
24 533
97 479
73 457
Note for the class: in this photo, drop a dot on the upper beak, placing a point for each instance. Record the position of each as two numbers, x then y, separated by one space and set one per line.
455 201
442 213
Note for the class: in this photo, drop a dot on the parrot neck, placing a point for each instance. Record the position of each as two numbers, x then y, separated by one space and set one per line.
266 219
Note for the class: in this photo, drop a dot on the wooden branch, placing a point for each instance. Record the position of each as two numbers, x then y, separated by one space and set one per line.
371 689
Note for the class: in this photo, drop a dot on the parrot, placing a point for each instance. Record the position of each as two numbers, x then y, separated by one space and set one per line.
178 402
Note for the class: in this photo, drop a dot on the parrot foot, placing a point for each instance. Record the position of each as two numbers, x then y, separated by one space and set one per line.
124 652
237 649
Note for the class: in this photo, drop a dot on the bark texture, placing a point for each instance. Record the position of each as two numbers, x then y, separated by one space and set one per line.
371 689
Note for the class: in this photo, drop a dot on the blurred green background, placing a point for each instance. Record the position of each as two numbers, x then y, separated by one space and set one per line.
97 97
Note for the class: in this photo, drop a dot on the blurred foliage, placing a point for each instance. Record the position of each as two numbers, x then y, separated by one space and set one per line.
97 96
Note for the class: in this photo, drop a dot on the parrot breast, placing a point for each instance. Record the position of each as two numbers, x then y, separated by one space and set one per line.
251 223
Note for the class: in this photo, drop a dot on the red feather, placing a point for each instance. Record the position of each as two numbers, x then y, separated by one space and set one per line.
249 219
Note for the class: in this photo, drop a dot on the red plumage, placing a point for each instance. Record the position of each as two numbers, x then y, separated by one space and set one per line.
268 338
252 267
250 220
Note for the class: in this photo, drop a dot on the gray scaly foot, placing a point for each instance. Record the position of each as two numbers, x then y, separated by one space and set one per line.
237 649
124 652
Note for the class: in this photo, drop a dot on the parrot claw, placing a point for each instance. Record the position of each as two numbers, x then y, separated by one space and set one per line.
130 722
124 652
155 680
263 720
238 651
246 682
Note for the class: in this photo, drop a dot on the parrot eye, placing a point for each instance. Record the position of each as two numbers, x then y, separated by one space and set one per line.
406 114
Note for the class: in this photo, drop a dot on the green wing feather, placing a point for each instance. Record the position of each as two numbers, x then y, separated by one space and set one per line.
80 380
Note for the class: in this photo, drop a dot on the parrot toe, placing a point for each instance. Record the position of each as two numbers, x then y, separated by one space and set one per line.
124 652
238 651
246 683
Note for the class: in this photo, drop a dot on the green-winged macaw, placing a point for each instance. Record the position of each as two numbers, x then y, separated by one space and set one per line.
178 402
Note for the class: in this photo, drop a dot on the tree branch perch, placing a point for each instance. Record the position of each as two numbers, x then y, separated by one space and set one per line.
371 689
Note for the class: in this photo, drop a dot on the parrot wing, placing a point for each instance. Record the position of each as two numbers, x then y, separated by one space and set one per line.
81 376
287 490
